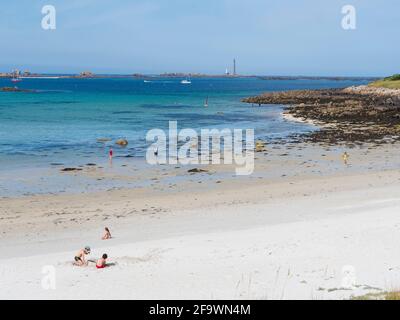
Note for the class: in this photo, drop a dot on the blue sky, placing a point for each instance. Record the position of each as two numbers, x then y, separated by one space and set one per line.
271 37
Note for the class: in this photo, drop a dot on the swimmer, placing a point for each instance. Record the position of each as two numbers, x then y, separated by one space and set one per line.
110 154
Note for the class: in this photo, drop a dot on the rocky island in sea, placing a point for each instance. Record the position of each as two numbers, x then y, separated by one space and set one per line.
14 89
357 114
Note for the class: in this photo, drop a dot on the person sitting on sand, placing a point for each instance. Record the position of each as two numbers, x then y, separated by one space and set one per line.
80 257
102 262
107 234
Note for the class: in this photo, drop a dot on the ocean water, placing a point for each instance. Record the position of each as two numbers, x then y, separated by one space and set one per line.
61 121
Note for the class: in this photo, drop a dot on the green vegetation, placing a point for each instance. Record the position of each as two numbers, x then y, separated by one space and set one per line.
394 77
392 82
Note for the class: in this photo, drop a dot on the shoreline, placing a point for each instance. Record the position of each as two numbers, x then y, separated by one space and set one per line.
351 115
289 230
291 118
286 164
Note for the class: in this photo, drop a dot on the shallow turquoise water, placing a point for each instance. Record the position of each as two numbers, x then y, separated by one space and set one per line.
62 120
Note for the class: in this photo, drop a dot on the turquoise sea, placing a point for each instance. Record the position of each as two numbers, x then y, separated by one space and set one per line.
60 122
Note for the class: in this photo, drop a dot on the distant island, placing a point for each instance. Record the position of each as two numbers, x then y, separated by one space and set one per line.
91 75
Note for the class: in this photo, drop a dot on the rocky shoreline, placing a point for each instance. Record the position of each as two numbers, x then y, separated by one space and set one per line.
351 115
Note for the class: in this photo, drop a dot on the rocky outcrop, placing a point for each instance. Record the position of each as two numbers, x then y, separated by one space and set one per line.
122 142
71 169
260 146
14 89
197 170
356 114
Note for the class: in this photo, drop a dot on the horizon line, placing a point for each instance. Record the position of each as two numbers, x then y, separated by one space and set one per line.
178 74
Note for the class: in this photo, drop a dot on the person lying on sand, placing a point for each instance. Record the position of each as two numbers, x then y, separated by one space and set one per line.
80 257
102 262
107 234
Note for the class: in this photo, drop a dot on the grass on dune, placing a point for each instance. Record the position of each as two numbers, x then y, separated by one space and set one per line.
386 84
392 82
392 295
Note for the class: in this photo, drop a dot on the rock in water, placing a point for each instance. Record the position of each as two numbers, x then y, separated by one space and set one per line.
122 142
70 169
196 170
260 146
14 89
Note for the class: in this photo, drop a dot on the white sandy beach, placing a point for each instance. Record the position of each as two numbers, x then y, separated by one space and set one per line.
235 151
296 237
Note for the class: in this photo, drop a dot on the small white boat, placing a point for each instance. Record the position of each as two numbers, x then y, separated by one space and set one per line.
206 103
16 80
186 81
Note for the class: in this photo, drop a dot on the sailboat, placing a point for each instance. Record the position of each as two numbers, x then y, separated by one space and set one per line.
186 81
206 103
15 76
16 79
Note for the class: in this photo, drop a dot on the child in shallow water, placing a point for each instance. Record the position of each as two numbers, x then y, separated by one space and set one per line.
345 158
107 234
